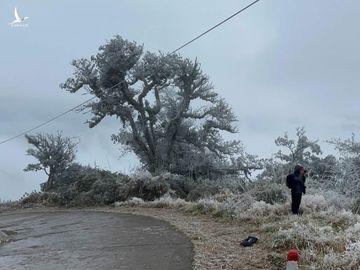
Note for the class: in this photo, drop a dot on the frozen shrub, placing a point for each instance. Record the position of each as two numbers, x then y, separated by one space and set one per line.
350 259
168 201
104 192
5 205
241 202
33 197
337 200
99 187
68 177
83 199
226 183
203 206
237 205
84 184
145 186
188 188
308 236
201 192
338 219
330 206
328 198
314 202
165 201
45 198
180 184
269 192
356 207
259 211
68 195
132 202
259 208
353 232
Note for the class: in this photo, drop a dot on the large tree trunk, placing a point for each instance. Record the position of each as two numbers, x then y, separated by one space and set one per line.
51 180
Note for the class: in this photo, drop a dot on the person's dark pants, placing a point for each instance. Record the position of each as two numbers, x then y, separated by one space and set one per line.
295 202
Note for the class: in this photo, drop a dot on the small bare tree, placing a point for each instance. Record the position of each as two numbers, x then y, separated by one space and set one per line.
54 153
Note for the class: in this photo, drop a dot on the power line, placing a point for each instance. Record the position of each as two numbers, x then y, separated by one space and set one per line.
215 26
86 101
48 121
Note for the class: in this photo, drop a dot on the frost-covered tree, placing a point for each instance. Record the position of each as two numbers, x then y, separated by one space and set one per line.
347 148
323 170
171 117
300 150
348 166
54 154
246 163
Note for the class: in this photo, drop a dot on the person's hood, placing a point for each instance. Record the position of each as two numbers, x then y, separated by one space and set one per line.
297 169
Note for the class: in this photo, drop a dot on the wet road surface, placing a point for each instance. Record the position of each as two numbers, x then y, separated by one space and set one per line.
91 240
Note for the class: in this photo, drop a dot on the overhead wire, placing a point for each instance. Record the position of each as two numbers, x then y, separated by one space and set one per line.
90 99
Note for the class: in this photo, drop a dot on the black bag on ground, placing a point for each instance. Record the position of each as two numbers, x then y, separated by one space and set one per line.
248 242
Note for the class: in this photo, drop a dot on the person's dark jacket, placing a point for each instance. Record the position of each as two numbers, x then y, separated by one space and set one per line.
297 183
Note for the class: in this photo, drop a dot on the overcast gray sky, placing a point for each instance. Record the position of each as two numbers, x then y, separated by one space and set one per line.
281 64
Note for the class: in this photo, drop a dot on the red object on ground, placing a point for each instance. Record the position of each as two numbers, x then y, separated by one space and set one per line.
293 255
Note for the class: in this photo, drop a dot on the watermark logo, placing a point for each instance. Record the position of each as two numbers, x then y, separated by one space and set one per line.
19 21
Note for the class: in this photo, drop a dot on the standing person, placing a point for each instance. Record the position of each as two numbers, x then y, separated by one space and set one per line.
296 181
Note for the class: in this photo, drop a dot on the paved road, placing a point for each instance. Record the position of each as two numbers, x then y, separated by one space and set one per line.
91 240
